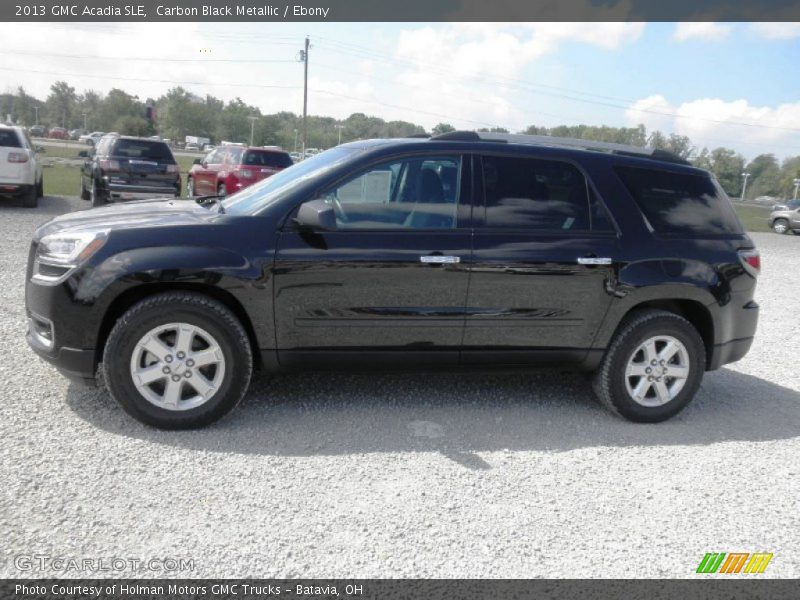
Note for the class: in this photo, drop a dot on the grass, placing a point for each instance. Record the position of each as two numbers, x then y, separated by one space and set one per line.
63 179
754 218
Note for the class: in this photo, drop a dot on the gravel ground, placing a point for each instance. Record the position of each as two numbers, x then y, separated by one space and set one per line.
470 475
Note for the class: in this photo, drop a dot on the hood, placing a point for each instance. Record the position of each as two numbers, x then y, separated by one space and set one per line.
158 212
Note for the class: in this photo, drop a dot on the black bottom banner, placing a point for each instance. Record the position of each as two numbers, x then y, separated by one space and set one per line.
396 589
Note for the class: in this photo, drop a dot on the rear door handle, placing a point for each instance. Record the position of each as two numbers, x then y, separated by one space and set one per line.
593 260
438 259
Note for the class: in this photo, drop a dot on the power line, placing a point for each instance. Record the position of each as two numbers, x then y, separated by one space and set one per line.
562 93
153 59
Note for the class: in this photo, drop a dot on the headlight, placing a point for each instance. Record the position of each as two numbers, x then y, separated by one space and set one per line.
70 249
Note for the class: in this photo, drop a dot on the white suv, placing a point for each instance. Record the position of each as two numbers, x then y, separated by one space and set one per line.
20 166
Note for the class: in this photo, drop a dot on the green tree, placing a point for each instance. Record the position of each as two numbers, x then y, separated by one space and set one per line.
61 104
765 176
441 128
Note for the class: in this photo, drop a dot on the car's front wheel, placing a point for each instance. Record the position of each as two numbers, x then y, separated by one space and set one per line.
178 360
653 367
780 226
96 195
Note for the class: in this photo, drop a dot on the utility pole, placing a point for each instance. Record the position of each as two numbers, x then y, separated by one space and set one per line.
304 55
252 127
339 127
744 187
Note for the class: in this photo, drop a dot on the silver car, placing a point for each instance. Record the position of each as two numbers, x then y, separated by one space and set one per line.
785 219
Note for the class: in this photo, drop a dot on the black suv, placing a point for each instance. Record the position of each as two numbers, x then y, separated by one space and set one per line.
125 168
464 249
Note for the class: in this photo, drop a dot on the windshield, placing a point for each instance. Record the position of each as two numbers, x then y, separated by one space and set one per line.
254 198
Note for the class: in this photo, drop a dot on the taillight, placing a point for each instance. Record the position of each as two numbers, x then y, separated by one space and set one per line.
173 169
244 173
17 157
109 165
751 260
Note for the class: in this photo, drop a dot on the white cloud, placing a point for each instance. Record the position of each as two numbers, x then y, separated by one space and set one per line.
715 122
704 31
776 31
457 61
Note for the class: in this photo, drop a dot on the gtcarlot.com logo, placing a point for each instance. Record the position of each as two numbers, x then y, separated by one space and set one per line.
45 562
734 562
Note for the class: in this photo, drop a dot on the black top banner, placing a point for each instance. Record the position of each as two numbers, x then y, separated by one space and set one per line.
405 11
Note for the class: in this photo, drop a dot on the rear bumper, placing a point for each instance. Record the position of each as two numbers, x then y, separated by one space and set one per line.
740 326
118 191
729 352
14 190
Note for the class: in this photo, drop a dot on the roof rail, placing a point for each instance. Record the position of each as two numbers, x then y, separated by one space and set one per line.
560 142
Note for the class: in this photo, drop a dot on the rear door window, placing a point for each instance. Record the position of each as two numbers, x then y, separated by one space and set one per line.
680 203
537 194
9 139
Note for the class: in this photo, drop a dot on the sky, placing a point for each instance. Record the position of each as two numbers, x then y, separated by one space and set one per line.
732 85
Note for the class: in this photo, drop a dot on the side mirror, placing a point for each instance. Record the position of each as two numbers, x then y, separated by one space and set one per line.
316 215
83 154
197 161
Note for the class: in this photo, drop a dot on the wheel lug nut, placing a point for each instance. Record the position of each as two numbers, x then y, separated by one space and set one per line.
648 370
650 378
187 374
181 355
168 358
653 362
166 370
176 378
190 363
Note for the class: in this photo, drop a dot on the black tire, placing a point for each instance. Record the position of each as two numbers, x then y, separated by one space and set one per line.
97 196
178 307
40 189
609 381
84 192
31 198
780 223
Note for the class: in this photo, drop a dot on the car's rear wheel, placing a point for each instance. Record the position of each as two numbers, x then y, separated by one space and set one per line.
84 192
40 189
31 198
178 360
653 367
780 226
97 196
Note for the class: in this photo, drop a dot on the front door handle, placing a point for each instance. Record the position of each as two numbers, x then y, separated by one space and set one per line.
594 260
438 259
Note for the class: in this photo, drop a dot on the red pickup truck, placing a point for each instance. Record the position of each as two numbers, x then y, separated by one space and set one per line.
228 169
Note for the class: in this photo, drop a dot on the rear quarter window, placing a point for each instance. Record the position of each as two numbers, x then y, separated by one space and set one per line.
680 203
256 158
9 139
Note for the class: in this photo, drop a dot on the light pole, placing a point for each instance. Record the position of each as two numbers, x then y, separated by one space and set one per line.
796 185
339 127
746 175
295 140
252 127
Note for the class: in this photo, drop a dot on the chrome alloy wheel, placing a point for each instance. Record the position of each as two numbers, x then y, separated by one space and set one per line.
657 371
177 366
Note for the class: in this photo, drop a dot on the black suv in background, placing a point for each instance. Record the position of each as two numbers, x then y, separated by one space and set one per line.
465 249
126 168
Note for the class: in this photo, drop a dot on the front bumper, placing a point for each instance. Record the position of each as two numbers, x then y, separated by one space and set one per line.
74 363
